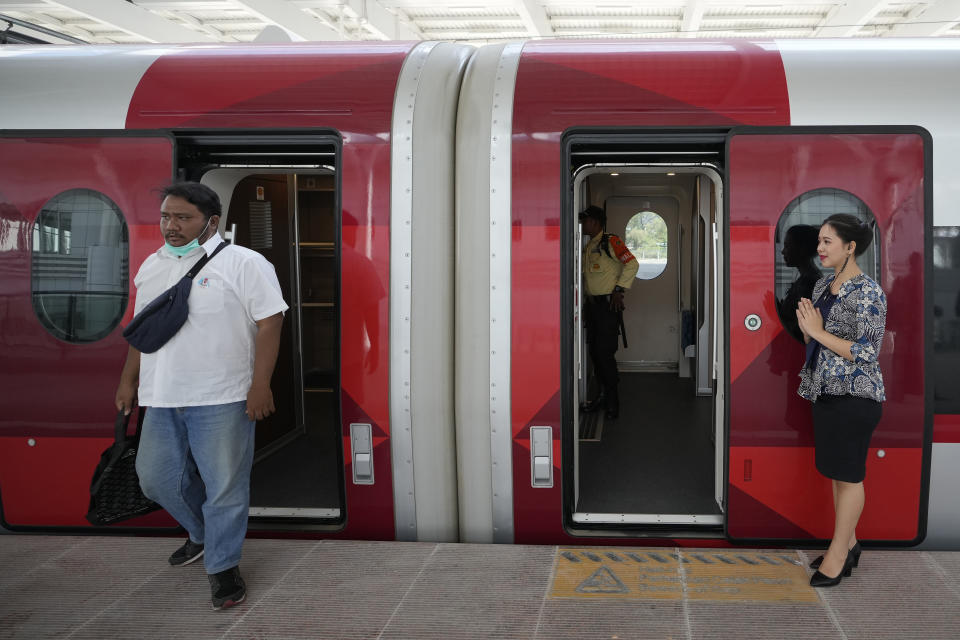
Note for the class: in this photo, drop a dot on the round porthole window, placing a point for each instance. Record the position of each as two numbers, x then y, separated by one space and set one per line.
80 265
797 264
646 237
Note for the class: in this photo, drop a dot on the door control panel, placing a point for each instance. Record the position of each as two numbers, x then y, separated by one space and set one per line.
541 456
361 446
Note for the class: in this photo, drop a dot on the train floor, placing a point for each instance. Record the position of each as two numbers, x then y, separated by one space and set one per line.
122 587
300 475
657 457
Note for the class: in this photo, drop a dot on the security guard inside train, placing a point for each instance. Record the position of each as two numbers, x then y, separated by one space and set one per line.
608 271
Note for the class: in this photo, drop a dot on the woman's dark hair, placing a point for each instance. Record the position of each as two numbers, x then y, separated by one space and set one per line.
199 195
851 229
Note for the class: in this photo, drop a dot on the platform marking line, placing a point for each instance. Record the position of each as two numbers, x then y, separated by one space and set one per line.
406 593
685 575
931 561
253 605
546 588
822 596
111 605
687 627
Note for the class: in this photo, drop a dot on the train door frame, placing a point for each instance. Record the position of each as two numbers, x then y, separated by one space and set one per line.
707 354
294 257
695 150
291 153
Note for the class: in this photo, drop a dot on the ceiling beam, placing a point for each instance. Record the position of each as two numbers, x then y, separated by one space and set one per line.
939 17
133 20
37 33
380 22
847 19
300 25
206 28
534 18
692 16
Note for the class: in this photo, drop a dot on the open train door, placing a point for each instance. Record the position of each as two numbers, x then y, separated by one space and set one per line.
779 178
78 215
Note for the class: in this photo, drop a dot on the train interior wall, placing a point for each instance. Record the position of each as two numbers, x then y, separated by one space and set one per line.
655 462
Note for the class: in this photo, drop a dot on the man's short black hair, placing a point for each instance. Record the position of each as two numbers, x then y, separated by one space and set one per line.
595 212
199 195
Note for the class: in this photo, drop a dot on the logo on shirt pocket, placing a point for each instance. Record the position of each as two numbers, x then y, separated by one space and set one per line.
207 296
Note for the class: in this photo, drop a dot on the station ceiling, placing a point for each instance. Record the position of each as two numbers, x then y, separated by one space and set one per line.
471 21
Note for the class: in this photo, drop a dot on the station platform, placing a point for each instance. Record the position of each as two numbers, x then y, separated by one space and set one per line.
122 587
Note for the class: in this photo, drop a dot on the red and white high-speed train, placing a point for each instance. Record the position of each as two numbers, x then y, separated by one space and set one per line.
419 204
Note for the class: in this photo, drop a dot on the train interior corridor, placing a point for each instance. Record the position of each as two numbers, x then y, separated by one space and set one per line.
659 461
289 216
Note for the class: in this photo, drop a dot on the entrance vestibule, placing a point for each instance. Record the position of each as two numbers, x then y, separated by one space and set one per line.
658 462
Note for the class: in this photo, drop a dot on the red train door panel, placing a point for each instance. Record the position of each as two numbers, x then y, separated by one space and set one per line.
56 408
773 488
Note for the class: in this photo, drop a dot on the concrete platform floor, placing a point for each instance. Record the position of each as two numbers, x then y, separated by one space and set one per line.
121 587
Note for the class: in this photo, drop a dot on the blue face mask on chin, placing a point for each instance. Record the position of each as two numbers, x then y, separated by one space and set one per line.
190 246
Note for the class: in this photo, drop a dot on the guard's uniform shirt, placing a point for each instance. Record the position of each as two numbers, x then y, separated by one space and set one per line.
601 272
210 360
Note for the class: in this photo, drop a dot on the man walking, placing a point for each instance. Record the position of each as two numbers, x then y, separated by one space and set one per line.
207 386
608 271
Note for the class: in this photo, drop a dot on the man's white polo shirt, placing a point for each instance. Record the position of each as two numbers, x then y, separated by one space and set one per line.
210 360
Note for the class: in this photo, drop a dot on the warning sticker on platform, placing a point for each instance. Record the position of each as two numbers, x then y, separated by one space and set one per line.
666 574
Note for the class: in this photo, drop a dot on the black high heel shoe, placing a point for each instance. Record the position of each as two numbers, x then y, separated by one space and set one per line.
855 552
822 580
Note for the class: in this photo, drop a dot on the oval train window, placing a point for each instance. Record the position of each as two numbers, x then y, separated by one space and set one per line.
80 265
646 237
795 255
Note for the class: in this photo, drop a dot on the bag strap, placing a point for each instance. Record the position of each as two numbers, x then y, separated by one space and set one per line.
120 426
605 244
202 261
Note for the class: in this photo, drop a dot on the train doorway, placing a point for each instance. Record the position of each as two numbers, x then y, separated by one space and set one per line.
290 218
658 464
284 205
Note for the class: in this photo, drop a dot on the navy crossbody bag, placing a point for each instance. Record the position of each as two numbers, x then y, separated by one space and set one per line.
162 318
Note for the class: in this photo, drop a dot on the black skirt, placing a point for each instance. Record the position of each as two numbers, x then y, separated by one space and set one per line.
842 427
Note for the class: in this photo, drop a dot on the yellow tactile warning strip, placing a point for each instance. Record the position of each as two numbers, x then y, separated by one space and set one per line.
671 574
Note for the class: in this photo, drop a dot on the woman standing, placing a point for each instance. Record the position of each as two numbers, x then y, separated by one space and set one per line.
843 381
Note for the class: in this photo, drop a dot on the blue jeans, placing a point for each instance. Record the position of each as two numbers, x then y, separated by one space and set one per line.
195 462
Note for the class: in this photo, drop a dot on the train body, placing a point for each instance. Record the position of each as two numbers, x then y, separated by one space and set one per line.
419 202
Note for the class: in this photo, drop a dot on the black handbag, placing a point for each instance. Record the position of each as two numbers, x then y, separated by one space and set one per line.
115 493
162 318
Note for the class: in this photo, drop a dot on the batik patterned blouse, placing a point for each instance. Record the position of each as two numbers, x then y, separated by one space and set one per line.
859 315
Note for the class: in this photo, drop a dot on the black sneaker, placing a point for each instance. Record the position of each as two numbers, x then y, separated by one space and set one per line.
227 589
186 554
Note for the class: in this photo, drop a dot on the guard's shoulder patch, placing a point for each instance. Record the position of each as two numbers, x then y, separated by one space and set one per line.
620 249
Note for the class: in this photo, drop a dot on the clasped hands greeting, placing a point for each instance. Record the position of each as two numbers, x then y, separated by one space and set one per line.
809 319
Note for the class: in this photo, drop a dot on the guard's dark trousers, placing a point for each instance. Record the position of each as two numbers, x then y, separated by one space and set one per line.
603 325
